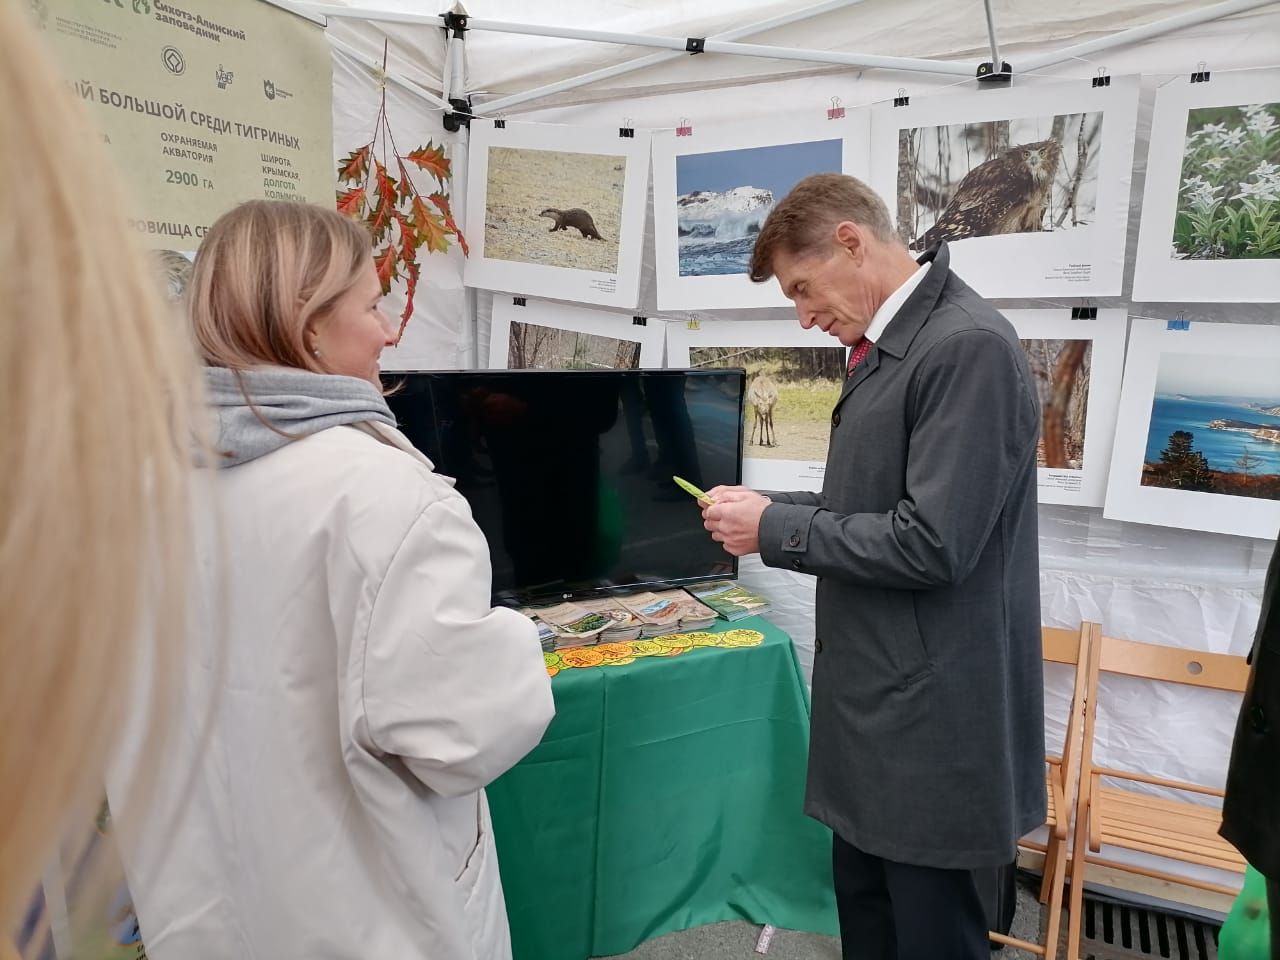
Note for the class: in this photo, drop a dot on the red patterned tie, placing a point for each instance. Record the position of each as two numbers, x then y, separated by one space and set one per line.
857 355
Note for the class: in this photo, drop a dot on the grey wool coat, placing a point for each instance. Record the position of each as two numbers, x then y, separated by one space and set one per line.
927 743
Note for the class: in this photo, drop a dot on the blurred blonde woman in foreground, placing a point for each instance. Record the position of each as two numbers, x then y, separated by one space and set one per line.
368 690
94 434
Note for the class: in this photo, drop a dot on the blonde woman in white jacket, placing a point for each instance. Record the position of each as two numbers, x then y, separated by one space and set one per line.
351 689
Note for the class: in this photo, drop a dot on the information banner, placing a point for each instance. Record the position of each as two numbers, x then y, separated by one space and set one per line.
205 104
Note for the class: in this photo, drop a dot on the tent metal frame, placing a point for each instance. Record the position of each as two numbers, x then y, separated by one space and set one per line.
727 42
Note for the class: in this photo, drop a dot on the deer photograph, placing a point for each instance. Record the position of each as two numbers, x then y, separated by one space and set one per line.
762 397
790 393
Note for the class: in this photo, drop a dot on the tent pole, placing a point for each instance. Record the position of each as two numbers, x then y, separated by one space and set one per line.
991 34
416 88
456 78
296 10
1136 34
650 40
948 67
338 12
653 59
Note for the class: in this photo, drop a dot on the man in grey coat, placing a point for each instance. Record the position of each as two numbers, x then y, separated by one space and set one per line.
927 749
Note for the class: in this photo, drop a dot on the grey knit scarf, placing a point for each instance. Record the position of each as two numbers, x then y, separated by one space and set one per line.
287 405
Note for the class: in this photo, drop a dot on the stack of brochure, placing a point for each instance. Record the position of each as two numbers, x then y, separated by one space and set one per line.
668 611
625 626
729 600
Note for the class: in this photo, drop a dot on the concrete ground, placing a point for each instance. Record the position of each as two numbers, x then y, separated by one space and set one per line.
736 940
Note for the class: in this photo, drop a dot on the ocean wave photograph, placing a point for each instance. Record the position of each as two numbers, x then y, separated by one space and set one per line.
723 198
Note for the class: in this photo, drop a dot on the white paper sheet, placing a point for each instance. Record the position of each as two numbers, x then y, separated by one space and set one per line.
1091 405
521 170
551 336
1212 190
974 173
1221 384
802 411
719 183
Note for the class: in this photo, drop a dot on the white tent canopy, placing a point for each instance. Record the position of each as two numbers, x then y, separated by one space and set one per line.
500 64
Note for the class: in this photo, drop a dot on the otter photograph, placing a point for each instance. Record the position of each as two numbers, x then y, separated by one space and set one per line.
723 197
1025 175
554 208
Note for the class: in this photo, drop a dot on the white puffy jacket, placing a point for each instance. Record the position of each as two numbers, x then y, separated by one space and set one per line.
350 693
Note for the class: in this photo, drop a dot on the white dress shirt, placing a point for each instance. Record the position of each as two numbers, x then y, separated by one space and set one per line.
893 303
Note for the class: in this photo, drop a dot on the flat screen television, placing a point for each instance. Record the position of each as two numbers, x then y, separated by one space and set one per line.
568 473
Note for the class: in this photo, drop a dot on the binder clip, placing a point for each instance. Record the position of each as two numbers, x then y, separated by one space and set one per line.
692 323
1103 79
1178 323
518 301
499 122
684 128
1084 313
835 111
988 74
626 131
1201 74
639 321
902 100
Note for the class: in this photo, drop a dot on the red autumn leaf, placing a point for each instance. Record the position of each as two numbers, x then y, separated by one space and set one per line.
408 238
435 235
431 160
355 166
351 202
385 261
386 183
431 229
406 185
411 286
379 221
442 204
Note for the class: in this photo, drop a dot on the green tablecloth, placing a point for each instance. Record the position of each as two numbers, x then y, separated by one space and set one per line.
666 794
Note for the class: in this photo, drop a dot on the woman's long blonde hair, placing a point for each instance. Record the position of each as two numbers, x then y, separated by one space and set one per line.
97 381
266 271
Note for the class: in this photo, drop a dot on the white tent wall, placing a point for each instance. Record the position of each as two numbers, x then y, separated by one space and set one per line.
437 334
1183 588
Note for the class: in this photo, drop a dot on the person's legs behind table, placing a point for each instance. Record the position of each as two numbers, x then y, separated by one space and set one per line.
899 911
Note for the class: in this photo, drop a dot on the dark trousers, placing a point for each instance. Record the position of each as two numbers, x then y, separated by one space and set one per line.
896 911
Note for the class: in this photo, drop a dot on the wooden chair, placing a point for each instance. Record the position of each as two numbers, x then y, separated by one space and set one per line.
1068 647
1113 816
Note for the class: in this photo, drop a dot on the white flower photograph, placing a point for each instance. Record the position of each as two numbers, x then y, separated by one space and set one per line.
1210 227
1229 201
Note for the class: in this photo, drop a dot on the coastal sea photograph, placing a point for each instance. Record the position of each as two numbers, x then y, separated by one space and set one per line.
1215 426
723 197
